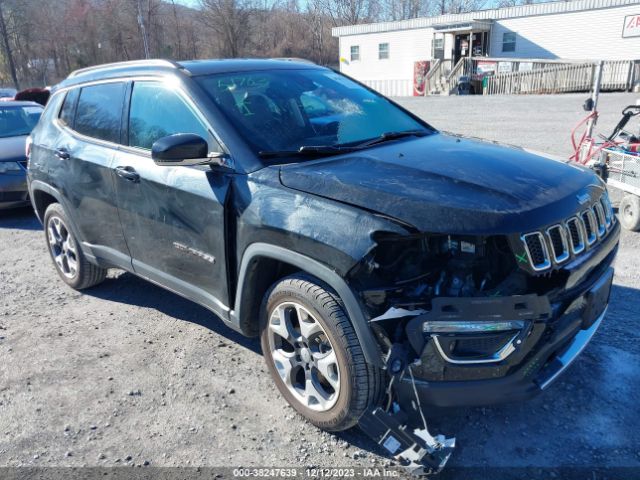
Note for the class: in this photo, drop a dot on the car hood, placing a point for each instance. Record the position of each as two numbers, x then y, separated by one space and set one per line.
12 148
448 184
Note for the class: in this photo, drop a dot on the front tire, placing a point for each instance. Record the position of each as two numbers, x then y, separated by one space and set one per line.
313 354
65 251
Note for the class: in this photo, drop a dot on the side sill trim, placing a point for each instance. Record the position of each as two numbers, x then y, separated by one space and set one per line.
183 289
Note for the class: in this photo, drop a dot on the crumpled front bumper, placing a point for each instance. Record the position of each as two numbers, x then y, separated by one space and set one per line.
540 368
553 342
524 384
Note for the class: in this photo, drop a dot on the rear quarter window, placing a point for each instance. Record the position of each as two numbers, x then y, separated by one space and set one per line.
45 131
68 109
99 111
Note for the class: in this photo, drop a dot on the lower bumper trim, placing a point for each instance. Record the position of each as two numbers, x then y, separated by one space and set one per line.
571 352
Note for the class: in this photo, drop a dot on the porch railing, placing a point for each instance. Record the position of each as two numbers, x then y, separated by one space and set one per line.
516 76
464 67
437 76
391 88
563 78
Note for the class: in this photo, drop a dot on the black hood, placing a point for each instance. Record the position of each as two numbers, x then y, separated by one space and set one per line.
447 184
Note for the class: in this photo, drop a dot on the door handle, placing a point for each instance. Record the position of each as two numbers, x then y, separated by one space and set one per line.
128 173
63 154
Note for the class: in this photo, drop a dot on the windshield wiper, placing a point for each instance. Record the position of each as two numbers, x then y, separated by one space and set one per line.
308 151
328 150
388 136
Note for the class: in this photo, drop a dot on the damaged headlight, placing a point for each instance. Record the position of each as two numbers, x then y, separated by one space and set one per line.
409 271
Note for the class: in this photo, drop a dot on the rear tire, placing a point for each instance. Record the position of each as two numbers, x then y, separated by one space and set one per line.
320 368
65 251
629 212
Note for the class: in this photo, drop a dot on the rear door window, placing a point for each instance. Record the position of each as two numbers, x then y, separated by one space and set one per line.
99 111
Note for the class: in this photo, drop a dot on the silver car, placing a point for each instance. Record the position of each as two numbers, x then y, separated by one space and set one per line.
17 119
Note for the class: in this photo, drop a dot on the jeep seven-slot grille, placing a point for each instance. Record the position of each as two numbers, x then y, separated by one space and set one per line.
537 249
575 235
571 237
588 222
559 244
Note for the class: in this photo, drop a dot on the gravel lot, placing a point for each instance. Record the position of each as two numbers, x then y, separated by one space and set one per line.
127 373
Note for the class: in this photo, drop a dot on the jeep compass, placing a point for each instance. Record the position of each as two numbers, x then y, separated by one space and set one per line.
385 266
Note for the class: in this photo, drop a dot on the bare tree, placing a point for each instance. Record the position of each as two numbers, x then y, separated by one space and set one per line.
41 42
7 47
229 20
462 6
349 12
178 29
406 9
323 44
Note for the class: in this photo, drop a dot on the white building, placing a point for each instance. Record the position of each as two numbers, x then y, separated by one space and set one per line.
388 55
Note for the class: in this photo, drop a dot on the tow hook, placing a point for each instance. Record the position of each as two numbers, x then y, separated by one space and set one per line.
408 441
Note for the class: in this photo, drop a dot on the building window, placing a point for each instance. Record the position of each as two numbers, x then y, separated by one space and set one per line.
438 43
383 51
355 53
509 42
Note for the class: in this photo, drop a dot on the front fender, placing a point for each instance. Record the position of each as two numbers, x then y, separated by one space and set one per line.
321 271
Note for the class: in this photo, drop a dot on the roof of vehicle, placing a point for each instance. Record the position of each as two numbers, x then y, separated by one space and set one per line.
19 103
189 67
205 67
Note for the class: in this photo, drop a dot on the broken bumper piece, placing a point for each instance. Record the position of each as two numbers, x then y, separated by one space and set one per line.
402 429
414 448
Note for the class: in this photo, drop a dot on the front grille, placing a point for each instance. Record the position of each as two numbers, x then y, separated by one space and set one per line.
588 221
571 237
576 235
608 210
536 249
599 214
559 244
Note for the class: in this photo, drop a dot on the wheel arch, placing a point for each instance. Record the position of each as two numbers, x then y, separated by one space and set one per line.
41 199
42 195
277 261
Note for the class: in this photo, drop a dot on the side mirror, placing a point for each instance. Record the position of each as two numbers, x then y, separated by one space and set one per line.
180 149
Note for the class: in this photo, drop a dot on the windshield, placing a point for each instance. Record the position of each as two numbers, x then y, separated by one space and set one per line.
284 110
16 121
7 92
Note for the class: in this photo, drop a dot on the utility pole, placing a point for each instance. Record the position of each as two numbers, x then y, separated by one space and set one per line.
143 30
7 48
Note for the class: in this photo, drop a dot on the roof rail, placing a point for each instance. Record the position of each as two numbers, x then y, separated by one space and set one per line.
294 59
133 63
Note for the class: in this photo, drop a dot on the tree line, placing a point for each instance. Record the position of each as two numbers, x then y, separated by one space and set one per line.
42 41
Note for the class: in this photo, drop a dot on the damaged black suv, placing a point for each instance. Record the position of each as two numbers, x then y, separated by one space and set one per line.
386 267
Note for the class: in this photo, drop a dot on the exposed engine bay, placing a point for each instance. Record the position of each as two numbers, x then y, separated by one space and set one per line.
409 271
